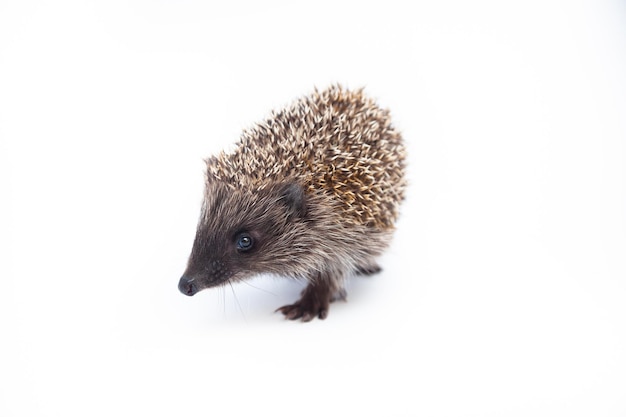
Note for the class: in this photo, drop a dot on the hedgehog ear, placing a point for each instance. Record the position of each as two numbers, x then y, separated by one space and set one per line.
293 197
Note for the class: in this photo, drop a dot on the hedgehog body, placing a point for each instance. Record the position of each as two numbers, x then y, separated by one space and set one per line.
312 192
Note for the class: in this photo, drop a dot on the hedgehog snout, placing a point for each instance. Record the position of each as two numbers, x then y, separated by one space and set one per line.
187 286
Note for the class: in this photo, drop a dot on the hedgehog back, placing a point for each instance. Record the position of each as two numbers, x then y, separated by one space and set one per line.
337 142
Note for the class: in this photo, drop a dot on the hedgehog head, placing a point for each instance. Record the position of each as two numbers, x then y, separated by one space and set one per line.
244 232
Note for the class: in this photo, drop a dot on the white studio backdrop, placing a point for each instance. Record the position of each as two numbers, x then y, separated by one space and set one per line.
502 294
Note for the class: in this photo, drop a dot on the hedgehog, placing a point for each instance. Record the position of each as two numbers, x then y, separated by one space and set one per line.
311 193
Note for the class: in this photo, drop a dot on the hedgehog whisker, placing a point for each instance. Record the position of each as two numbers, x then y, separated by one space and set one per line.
237 301
223 291
258 288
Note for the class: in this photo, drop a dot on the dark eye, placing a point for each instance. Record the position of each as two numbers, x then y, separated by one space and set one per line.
244 242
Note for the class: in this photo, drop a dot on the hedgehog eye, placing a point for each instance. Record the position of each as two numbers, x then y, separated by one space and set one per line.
244 242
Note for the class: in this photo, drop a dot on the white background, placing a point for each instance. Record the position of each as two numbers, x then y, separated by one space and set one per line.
504 293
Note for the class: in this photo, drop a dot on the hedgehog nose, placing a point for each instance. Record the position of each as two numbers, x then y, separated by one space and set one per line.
187 286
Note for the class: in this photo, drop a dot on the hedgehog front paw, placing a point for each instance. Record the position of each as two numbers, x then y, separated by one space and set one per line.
314 302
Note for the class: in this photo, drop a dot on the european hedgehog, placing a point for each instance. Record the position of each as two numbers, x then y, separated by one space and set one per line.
312 193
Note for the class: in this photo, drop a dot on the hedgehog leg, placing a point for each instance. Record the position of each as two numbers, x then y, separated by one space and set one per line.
314 300
369 268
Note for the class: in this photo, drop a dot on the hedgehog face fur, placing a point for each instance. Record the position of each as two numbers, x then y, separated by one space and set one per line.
310 193
243 233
